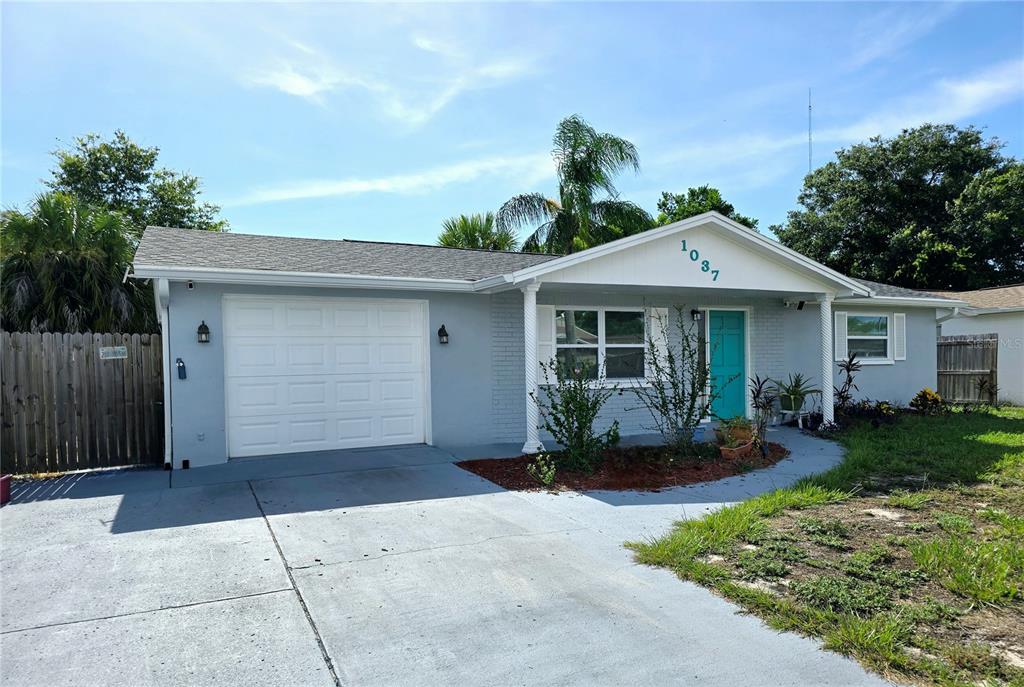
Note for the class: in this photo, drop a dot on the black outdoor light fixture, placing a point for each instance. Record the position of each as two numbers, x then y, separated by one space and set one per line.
442 335
697 315
203 333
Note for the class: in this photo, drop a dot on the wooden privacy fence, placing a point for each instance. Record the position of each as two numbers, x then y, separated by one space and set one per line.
68 405
967 367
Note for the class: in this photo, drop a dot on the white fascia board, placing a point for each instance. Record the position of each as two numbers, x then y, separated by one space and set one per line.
903 301
273 278
736 228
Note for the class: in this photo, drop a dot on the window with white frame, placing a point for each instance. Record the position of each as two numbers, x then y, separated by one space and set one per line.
868 336
602 340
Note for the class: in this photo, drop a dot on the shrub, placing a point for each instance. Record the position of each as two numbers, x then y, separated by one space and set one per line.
927 402
569 408
763 401
678 397
542 469
844 392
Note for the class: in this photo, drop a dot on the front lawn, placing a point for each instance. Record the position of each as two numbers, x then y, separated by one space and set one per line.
908 556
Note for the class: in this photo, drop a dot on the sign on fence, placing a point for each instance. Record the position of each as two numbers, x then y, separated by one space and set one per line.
113 352
66 408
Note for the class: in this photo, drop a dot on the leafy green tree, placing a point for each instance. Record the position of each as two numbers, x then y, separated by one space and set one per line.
476 231
991 211
122 176
63 270
586 163
673 207
907 210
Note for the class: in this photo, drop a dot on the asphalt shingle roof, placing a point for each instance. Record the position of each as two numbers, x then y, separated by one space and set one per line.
891 291
166 247
995 297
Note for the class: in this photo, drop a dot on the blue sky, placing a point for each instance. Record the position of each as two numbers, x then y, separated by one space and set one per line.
379 121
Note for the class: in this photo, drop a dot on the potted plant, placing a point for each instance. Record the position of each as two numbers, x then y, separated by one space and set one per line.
736 428
735 449
793 392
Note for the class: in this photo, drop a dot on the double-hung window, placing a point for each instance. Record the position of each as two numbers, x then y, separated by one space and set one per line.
607 343
868 336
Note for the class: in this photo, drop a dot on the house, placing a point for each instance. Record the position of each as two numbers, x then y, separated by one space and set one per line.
999 311
323 344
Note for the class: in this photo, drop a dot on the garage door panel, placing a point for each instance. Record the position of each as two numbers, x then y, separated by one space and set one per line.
306 374
272 434
306 394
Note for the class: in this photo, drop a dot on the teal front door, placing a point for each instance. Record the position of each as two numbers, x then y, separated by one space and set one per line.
727 346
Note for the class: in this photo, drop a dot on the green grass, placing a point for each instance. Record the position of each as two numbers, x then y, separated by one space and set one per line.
876 603
908 500
988 571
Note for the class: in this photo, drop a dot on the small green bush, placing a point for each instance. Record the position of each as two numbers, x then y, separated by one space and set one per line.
569 408
542 469
927 402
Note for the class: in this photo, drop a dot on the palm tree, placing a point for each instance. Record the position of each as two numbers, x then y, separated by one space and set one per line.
586 162
476 231
63 270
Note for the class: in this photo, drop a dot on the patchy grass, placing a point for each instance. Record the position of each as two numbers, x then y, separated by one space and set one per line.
909 556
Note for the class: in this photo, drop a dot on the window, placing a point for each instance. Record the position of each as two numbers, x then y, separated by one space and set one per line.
868 336
597 338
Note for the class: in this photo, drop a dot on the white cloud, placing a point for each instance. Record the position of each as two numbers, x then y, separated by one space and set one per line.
525 169
757 160
409 99
891 30
948 100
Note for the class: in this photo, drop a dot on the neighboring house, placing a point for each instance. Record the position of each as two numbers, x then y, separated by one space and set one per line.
998 310
317 344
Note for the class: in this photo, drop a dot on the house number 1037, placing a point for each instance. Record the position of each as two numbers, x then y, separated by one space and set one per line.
705 265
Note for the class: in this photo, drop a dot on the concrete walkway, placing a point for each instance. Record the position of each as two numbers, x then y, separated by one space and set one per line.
393 567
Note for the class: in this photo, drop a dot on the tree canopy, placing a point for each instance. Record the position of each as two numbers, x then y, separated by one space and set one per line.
673 207
935 207
476 231
122 176
63 270
586 162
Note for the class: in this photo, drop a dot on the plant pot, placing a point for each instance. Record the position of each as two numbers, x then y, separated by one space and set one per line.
736 452
791 404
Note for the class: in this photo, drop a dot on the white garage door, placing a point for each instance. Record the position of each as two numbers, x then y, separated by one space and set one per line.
308 374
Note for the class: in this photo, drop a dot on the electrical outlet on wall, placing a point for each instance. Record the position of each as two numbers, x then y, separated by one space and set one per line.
201 436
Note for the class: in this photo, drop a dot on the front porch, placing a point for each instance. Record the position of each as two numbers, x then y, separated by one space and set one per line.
743 333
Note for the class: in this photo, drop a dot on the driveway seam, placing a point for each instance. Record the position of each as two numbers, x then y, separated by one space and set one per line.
295 588
143 612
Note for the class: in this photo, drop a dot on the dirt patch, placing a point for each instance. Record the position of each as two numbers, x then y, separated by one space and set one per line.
635 468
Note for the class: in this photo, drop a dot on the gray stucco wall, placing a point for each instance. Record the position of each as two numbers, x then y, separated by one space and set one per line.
460 375
477 383
896 382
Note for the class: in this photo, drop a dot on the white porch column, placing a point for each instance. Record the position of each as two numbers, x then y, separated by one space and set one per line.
827 348
532 444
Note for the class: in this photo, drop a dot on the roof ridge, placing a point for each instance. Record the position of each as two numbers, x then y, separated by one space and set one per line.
346 240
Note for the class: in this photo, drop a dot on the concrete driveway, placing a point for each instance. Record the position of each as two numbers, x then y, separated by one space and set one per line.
387 567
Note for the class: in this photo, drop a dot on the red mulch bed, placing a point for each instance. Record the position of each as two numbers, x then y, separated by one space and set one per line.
634 468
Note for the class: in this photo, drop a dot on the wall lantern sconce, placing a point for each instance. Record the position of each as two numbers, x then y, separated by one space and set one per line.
697 315
442 335
203 333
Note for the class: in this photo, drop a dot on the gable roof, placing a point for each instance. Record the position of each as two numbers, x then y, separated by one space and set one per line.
163 247
735 230
995 297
